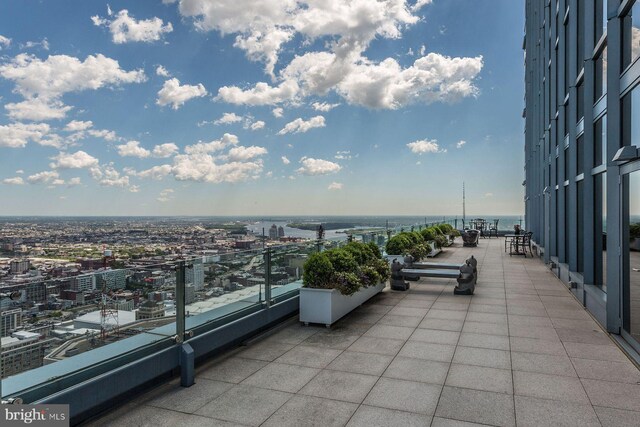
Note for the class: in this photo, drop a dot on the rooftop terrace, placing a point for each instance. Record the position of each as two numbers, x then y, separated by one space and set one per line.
521 351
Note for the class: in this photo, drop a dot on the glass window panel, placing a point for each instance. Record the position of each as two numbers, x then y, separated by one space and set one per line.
600 234
566 164
580 46
600 141
580 103
566 119
600 80
631 36
580 155
631 118
632 278
580 224
600 19
566 60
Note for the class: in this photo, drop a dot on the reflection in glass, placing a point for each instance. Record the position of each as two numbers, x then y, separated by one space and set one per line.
600 235
600 80
630 113
600 142
631 36
580 225
600 19
633 277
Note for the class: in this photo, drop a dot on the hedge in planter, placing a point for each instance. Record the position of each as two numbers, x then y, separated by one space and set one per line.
409 243
347 269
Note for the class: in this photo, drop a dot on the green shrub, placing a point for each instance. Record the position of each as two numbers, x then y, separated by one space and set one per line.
428 234
445 228
318 271
634 230
347 269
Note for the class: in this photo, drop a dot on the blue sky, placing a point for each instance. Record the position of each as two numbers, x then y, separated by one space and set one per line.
196 107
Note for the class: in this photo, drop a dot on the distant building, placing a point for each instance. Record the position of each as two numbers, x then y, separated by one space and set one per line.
150 310
10 320
281 231
273 232
19 266
195 275
111 279
83 282
23 353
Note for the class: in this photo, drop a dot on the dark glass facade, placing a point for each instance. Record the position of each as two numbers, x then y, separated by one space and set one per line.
582 191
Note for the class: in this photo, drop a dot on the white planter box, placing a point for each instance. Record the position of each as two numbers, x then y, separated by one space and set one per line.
327 306
434 251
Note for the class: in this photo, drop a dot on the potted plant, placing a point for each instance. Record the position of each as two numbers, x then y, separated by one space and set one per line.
634 236
408 243
338 280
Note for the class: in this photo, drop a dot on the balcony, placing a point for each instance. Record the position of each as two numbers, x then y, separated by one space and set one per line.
520 351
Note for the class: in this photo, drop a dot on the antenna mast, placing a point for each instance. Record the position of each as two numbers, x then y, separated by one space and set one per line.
464 212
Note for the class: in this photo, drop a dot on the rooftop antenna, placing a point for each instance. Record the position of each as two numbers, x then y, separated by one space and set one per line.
464 211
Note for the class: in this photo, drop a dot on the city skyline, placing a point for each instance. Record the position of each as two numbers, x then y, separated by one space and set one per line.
301 108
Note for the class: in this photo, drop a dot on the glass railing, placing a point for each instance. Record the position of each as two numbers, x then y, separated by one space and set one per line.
60 331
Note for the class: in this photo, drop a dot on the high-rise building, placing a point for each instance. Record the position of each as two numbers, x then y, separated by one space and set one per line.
281 231
9 321
19 266
582 152
150 310
111 279
194 275
22 353
273 232
83 282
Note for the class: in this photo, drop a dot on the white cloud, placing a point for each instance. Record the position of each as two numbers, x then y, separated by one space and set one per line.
156 173
134 189
20 172
257 125
204 168
77 160
13 181
5 42
74 182
300 125
423 50
17 135
324 106
343 155
419 4
37 109
165 150
213 146
77 126
44 44
425 146
312 166
260 94
277 112
410 52
133 149
44 177
285 160
460 143
125 28
108 176
176 95
108 135
165 195
43 82
228 118
161 71
488 194
348 28
246 153
335 186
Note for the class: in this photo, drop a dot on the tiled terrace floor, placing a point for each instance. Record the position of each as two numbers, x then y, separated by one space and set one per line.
521 351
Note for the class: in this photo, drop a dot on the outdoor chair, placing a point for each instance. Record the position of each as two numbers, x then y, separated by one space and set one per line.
493 229
470 238
520 245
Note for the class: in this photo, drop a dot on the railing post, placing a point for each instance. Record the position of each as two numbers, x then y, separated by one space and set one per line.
267 277
187 355
180 300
